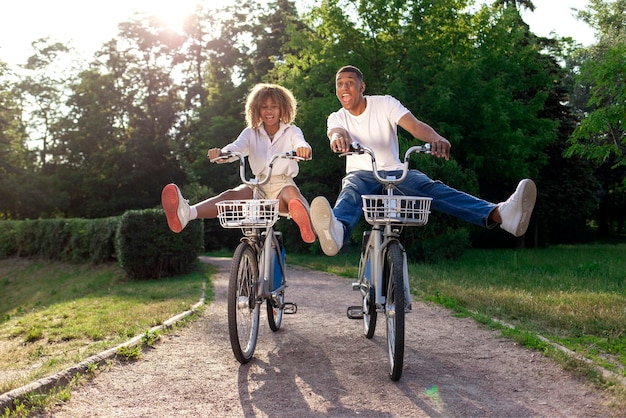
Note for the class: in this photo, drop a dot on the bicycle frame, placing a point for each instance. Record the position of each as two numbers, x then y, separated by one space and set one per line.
382 234
385 257
261 238
252 270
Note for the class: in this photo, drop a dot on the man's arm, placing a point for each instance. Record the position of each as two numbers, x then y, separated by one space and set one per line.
424 132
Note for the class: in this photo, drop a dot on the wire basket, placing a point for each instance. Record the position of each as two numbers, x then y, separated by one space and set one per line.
247 213
398 210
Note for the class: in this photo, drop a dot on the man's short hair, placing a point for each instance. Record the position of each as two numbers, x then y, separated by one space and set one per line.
350 69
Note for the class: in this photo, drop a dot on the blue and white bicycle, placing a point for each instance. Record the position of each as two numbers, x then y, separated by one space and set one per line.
257 271
383 273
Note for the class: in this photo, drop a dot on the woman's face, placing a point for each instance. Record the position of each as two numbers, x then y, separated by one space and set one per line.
270 112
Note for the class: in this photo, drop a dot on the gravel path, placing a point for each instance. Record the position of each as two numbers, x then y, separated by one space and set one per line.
319 364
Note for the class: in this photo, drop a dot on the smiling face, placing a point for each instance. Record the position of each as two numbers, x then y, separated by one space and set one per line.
349 90
270 114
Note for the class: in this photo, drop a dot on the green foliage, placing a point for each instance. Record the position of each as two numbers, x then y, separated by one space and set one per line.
150 338
8 238
601 136
73 240
111 134
129 353
147 249
479 79
218 238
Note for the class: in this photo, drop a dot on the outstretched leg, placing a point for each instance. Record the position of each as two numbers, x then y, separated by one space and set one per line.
178 211
298 210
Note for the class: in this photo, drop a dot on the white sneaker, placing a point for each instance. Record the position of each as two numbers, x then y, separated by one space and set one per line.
516 211
176 208
328 229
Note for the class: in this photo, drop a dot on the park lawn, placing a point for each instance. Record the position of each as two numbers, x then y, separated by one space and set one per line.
54 315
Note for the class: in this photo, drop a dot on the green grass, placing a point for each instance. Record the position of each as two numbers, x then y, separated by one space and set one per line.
572 295
55 314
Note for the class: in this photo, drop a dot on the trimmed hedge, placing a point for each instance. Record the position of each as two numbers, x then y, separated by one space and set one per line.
146 248
139 240
70 240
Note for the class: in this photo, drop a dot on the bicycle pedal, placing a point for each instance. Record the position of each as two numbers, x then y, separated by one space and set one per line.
355 312
290 308
356 286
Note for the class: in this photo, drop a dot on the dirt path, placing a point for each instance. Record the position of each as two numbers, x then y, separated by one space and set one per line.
319 364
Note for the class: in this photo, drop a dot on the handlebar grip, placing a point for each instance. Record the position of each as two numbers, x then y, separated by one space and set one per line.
223 156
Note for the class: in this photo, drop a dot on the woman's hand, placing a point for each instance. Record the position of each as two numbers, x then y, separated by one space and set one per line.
215 153
304 153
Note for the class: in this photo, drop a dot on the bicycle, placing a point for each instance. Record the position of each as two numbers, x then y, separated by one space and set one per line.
257 271
383 271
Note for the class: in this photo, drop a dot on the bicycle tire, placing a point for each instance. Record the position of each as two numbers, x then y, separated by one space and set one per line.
394 308
275 311
276 307
243 309
368 301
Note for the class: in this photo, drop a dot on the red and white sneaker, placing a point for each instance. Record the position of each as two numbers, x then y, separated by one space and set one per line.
301 217
176 208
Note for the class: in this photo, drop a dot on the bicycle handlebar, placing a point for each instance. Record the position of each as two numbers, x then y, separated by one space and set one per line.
290 155
359 149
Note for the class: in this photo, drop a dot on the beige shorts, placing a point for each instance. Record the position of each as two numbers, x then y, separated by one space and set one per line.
272 188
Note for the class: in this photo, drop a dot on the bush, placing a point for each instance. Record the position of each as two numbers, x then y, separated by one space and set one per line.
8 238
147 249
73 240
429 245
218 238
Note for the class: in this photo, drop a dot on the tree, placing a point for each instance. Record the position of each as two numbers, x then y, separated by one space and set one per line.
117 137
517 4
601 135
478 78
12 149
42 91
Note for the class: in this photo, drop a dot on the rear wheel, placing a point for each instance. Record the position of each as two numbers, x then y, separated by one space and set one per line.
369 299
275 310
243 309
394 308
276 305
368 294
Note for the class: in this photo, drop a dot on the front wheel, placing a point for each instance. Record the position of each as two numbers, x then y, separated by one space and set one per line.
243 309
394 309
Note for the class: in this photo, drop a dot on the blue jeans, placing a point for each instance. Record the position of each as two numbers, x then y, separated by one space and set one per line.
445 199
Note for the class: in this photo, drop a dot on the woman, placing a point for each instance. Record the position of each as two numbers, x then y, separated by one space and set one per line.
270 111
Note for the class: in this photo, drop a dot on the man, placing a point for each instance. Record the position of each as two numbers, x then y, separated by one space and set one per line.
373 121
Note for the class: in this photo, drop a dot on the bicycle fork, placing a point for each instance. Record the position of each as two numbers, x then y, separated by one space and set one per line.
405 277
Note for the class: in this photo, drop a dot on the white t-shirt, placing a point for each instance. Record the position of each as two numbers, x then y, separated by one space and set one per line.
256 144
377 128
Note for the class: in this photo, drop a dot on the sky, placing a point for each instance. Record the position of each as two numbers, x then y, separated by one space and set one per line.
87 24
